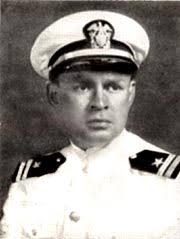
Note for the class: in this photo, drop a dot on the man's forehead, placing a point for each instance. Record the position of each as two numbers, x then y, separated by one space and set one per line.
93 75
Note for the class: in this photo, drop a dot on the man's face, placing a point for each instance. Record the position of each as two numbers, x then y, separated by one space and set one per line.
93 106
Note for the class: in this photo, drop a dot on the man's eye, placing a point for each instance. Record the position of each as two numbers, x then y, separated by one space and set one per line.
81 88
113 87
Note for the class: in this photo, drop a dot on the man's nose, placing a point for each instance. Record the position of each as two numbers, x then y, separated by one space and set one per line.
99 100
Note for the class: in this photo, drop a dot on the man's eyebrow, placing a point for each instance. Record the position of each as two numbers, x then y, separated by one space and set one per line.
116 80
80 79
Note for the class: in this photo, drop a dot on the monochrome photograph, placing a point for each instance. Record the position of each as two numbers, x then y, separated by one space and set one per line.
90 119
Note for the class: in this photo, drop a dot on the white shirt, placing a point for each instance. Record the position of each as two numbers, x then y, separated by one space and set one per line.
95 195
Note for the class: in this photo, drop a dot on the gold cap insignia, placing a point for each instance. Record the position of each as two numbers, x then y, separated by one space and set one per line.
99 33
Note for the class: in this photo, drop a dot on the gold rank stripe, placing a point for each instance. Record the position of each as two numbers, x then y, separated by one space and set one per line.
26 170
20 171
166 164
172 167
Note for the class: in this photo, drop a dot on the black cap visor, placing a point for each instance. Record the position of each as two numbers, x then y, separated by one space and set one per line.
95 63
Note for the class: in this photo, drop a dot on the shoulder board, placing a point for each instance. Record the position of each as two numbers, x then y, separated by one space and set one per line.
38 166
162 164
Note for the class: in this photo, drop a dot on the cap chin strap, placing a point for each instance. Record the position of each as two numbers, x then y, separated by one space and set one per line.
115 54
119 65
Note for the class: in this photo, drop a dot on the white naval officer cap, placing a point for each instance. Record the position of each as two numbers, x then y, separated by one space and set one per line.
89 37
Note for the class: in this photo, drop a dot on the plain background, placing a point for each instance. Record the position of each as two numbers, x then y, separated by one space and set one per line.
27 124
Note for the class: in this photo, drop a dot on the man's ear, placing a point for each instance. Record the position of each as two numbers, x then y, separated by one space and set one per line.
52 93
132 91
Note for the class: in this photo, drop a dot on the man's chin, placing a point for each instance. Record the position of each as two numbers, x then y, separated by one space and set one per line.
98 138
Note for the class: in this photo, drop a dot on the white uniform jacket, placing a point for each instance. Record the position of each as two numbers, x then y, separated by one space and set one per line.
95 195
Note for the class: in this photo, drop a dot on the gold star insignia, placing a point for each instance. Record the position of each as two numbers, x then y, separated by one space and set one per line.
157 162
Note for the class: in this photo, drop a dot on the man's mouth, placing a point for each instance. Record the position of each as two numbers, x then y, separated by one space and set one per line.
99 123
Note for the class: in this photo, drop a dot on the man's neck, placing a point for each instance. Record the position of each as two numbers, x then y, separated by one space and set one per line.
87 148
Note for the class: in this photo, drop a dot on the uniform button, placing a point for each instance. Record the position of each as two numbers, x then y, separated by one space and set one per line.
74 216
34 232
85 170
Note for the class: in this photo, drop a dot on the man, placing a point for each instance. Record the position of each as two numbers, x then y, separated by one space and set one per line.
108 183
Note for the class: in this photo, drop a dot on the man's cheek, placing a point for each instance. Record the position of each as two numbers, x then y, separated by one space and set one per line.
66 104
